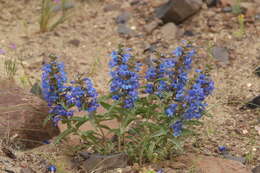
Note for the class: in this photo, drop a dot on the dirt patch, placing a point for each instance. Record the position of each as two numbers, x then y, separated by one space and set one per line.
95 30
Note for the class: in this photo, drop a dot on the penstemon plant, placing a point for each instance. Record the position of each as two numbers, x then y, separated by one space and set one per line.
48 13
154 111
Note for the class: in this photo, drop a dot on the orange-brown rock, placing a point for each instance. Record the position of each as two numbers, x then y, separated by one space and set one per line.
22 116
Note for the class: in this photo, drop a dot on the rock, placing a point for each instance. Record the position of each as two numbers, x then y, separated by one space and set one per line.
74 42
257 1
221 54
151 26
218 165
188 33
8 171
250 8
150 48
122 29
111 7
256 169
8 153
177 11
211 3
257 16
253 104
225 3
123 17
227 9
230 157
169 32
27 170
22 115
100 163
257 71
134 2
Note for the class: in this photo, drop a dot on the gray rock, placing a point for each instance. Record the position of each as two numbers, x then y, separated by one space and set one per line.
239 159
169 32
257 16
27 170
188 33
151 26
177 11
257 71
123 17
227 9
221 54
211 3
150 48
256 169
254 103
100 163
8 171
122 29
74 42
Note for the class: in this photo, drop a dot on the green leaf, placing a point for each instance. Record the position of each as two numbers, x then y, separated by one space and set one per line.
76 118
177 143
104 126
187 132
63 135
82 121
193 122
106 105
48 118
161 132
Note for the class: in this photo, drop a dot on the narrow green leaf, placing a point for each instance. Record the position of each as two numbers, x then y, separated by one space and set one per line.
63 135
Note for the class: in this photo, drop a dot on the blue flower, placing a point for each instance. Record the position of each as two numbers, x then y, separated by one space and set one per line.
195 97
222 148
149 88
178 51
52 168
125 80
171 110
160 171
177 128
53 79
84 95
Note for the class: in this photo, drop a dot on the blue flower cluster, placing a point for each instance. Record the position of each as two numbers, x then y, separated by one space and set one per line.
83 95
125 80
174 69
61 98
170 75
195 97
53 79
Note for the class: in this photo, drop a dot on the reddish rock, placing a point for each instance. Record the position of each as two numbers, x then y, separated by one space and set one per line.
22 116
208 164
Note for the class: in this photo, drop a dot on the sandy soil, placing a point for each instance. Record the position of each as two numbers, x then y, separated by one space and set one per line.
96 32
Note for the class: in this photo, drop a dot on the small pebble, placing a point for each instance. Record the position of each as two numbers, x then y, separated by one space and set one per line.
249 85
227 9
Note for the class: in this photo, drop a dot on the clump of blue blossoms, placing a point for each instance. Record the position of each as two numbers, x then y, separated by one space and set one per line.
62 97
83 95
125 79
168 78
152 110
53 79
